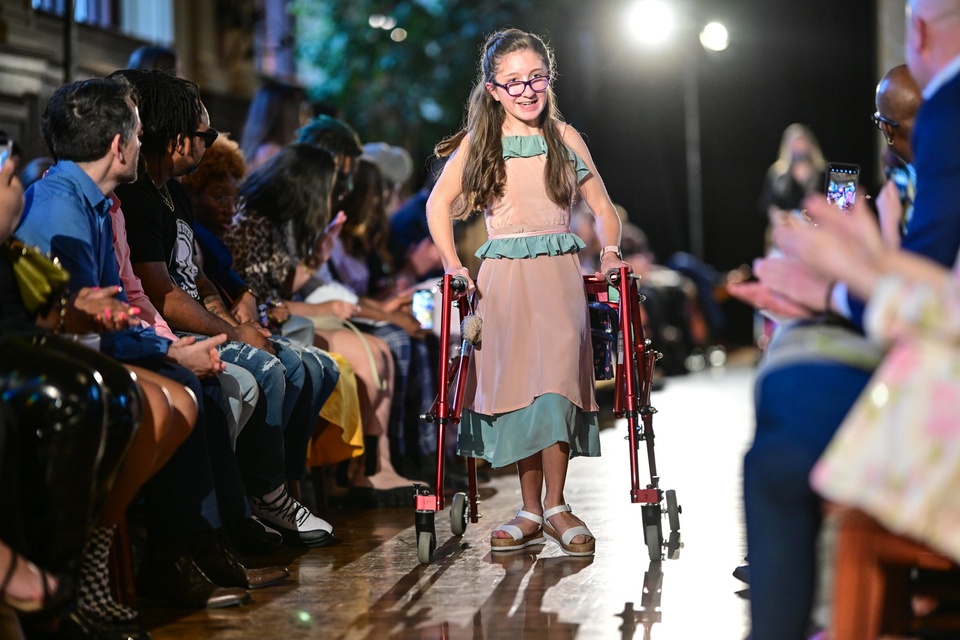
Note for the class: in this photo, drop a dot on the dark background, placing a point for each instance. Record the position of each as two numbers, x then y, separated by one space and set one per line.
811 62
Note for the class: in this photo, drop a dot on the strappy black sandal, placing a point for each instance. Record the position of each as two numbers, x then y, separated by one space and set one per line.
23 606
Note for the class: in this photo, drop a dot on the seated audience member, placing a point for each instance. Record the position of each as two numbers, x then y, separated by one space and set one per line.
241 394
34 170
782 512
361 261
213 190
403 334
287 209
673 318
396 168
898 100
42 383
159 225
152 56
67 213
275 114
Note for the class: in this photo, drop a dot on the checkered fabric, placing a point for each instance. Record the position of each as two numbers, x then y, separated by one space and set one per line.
93 595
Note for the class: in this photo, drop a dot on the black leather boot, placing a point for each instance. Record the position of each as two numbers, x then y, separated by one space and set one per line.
224 567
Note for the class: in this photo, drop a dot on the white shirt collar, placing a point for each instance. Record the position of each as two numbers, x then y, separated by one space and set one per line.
942 77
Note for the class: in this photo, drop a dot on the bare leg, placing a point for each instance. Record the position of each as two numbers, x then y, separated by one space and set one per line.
375 402
169 412
25 586
530 470
556 457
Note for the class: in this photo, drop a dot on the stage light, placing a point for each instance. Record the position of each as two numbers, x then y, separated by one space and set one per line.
715 37
650 22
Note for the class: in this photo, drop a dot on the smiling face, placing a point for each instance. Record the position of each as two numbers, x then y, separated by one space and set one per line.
520 66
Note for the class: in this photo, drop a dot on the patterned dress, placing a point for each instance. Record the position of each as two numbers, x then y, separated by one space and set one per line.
531 381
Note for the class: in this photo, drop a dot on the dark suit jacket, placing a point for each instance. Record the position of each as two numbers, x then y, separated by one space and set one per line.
934 230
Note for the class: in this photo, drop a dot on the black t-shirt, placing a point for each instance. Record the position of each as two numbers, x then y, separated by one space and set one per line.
156 234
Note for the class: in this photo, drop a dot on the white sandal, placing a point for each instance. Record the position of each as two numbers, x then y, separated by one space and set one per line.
517 540
587 548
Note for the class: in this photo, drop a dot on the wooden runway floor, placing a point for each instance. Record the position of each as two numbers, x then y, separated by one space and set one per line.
369 586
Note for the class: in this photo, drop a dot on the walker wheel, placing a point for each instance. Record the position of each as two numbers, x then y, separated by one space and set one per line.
673 510
426 543
654 544
458 514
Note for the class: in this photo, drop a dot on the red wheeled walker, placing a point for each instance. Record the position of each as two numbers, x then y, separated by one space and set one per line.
446 412
635 360
633 371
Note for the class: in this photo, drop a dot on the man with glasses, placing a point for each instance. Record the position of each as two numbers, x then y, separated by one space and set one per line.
898 100
159 221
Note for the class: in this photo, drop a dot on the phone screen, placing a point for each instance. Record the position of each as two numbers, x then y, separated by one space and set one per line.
842 184
5 150
423 307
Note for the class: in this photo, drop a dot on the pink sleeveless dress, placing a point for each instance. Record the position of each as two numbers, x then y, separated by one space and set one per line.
531 381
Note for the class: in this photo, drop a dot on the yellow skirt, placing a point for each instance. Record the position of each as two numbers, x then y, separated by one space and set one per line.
339 432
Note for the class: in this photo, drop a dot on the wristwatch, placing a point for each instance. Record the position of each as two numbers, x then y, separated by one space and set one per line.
613 248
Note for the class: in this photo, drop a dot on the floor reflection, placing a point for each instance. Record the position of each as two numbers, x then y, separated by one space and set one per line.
371 587
515 609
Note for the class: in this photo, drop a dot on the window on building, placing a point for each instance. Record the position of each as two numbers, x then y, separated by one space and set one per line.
151 21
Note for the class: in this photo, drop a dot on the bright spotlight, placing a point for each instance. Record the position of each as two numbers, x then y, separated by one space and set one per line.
650 21
715 37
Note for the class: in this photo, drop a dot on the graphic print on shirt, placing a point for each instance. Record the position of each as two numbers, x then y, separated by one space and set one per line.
183 269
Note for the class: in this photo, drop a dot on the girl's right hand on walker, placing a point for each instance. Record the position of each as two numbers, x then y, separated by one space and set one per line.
610 262
462 271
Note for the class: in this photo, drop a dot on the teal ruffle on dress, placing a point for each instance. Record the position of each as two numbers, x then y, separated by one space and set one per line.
550 244
536 145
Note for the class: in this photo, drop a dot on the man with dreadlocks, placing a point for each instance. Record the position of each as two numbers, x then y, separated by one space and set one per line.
295 381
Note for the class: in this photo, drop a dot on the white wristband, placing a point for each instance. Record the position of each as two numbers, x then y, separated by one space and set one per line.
613 248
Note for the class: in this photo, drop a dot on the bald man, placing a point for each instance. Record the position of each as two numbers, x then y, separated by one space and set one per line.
812 373
898 101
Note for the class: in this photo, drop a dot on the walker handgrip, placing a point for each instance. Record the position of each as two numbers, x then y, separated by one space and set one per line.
459 284
612 276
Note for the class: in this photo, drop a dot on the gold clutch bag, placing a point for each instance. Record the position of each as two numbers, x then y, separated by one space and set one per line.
41 279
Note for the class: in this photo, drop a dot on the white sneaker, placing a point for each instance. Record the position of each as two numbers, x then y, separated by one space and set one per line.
293 520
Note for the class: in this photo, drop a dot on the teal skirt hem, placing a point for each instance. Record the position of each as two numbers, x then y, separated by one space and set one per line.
505 438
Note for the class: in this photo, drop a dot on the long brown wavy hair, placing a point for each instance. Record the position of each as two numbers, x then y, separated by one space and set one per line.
484 174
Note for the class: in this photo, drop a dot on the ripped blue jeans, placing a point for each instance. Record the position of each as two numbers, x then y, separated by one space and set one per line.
260 448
